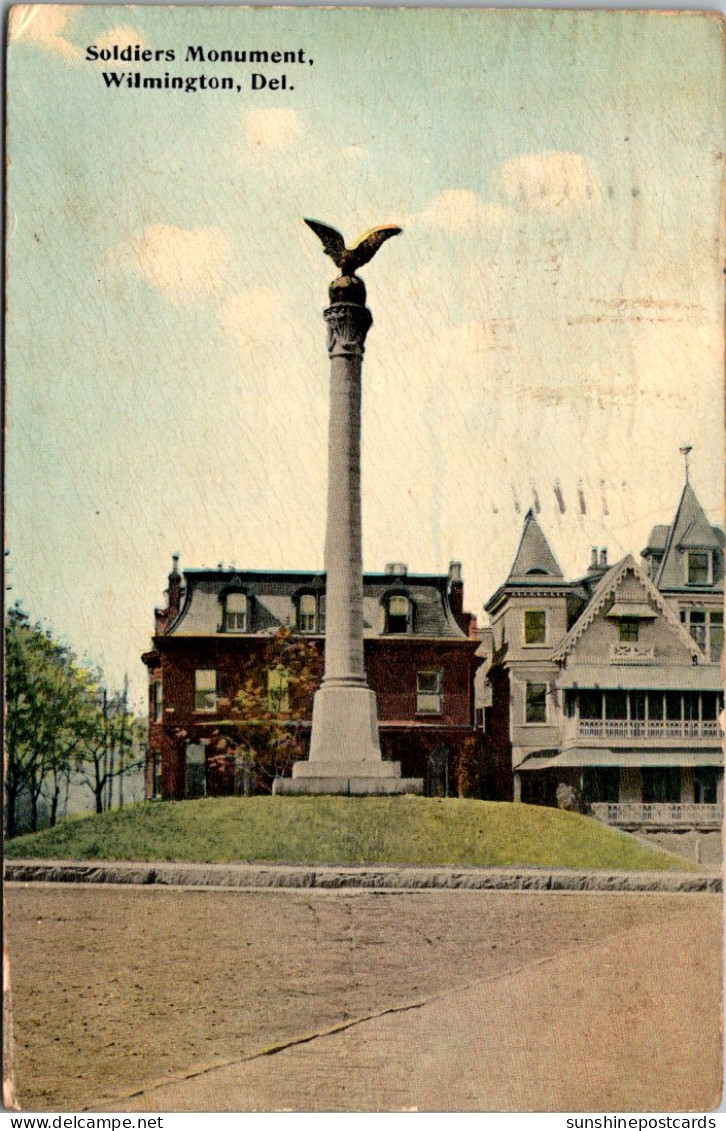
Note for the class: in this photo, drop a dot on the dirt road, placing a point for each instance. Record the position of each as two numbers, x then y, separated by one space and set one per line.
523 1000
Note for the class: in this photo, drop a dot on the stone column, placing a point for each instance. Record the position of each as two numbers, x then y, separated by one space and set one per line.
345 752
348 323
345 720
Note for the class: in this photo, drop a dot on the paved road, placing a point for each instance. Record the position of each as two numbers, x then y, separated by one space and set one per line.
452 999
631 1023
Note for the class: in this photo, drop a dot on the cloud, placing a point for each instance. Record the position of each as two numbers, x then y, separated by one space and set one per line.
186 264
41 25
272 131
545 182
459 210
123 36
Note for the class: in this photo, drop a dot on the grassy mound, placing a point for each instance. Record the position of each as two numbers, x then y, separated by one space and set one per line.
342 830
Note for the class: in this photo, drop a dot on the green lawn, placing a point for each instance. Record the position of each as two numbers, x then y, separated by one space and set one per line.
343 830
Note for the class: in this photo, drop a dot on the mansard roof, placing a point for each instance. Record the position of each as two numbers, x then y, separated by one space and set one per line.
273 594
690 530
607 588
534 560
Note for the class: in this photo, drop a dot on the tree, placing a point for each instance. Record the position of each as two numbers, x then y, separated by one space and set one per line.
46 712
60 723
269 713
110 747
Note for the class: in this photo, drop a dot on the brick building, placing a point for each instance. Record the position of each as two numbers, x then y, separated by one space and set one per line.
420 655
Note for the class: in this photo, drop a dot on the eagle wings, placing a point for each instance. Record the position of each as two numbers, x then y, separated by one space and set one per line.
349 259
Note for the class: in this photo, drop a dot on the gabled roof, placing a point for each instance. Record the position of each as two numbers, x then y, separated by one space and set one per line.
534 559
691 530
607 588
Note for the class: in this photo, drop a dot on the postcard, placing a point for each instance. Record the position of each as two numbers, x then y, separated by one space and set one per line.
364 560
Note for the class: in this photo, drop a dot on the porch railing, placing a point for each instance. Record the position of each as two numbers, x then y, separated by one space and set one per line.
684 813
642 728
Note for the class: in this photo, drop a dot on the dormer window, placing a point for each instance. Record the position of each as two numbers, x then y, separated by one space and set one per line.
306 613
235 613
698 566
398 614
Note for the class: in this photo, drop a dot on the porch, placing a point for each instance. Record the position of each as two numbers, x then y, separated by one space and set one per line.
662 815
644 717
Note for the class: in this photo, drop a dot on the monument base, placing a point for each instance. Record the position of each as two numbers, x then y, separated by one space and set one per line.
347 786
345 753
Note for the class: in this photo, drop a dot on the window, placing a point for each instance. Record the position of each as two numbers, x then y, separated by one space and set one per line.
398 617
156 776
278 690
306 613
716 636
697 626
429 693
536 711
629 630
195 778
535 626
156 710
699 567
321 613
235 612
205 690
706 628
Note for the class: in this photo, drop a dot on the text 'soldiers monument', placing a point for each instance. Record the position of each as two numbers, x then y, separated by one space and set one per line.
345 752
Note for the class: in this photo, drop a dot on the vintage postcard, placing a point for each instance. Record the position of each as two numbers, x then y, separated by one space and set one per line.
364 560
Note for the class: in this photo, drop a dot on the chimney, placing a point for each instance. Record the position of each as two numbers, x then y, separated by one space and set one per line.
604 558
396 569
174 590
456 595
593 560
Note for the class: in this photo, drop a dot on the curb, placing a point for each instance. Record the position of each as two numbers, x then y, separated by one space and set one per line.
330 877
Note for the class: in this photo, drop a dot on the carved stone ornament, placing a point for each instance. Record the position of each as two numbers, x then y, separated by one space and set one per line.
348 324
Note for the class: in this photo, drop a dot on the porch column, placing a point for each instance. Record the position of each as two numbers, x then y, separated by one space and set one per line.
517 789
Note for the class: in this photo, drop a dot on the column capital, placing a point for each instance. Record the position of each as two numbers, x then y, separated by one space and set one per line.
348 323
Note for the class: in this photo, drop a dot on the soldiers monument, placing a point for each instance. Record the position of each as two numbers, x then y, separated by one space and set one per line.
345 752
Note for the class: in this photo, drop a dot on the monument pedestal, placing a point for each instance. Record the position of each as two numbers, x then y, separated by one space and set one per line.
345 756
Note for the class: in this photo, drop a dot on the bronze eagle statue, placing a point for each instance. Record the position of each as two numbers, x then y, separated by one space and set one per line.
349 259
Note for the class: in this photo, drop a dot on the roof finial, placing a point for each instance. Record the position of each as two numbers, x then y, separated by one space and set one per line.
685 452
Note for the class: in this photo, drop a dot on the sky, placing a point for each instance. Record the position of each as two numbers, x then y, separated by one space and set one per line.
548 330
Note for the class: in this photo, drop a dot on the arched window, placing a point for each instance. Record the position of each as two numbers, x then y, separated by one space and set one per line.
235 613
398 614
306 613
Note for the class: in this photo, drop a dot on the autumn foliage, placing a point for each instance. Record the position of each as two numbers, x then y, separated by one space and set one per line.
269 717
